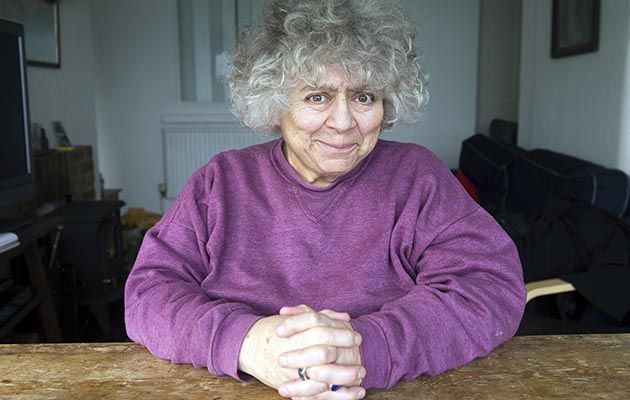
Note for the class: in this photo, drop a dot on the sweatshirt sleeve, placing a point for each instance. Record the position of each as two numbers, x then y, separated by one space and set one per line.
467 299
166 308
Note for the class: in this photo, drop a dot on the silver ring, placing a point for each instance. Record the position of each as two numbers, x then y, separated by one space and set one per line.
303 374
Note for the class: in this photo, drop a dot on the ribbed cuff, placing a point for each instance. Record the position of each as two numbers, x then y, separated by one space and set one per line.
374 353
226 346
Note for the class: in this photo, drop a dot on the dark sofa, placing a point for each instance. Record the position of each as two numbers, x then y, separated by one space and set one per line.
569 220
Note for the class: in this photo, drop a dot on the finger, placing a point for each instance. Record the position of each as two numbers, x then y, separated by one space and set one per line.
294 310
344 393
342 316
302 322
300 388
343 375
310 356
326 336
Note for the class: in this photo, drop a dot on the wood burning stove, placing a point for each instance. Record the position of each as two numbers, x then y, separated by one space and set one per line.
92 242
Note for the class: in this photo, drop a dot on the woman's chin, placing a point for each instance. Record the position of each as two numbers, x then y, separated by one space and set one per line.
334 169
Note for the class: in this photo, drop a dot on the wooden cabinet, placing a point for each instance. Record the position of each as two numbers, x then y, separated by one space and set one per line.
39 299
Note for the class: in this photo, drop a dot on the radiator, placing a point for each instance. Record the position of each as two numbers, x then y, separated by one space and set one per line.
186 149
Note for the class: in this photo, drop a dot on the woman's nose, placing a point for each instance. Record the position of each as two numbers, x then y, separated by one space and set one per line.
340 117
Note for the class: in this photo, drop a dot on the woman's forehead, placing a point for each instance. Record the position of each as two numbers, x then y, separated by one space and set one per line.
332 79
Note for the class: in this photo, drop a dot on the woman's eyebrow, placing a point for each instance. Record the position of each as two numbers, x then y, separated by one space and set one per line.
326 88
332 88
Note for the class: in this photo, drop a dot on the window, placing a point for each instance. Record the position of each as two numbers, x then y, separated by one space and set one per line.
207 30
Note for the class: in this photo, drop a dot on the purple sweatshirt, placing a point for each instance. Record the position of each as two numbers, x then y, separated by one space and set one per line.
430 280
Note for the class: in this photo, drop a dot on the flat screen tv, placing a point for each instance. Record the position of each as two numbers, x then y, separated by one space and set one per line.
16 181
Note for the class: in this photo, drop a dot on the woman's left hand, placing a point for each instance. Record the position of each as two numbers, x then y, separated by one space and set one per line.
325 365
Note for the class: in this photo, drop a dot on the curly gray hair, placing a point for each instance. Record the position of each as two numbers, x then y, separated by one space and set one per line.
371 41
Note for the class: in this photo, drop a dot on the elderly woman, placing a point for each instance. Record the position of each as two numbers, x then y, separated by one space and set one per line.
327 261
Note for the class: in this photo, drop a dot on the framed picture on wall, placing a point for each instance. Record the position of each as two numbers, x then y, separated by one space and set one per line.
40 19
575 27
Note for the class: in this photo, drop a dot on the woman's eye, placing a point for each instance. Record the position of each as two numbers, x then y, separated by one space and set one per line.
316 98
365 98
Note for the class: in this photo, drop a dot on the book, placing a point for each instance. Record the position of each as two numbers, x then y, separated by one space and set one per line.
8 241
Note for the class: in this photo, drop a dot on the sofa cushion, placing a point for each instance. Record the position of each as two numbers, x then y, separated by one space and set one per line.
538 175
487 162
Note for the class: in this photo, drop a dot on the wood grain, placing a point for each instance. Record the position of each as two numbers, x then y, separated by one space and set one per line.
530 367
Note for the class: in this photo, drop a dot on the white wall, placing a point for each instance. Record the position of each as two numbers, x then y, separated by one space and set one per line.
499 59
137 73
576 104
67 94
448 37
136 60
624 128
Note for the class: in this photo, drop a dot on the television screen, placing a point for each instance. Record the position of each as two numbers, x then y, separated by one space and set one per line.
15 169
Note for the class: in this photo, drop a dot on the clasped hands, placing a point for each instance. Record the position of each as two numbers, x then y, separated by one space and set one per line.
322 342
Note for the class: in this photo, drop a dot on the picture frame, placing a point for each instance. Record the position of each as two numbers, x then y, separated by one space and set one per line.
575 27
40 19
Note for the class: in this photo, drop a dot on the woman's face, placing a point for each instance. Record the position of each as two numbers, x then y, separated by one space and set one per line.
328 129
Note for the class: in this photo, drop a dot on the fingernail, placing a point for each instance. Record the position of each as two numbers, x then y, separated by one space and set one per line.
358 339
281 329
283 391
362 393
361 373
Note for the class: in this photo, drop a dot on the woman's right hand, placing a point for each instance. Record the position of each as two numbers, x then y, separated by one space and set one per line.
340 366
324 342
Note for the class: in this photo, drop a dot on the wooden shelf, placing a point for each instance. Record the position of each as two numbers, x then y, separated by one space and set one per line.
28 234
30 305
28 253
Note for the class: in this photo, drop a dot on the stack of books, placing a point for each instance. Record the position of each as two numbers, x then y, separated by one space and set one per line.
8 241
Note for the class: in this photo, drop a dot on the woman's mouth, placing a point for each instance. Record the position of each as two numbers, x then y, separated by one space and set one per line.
337 148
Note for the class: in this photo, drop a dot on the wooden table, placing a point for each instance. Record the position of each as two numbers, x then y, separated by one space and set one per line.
530 367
